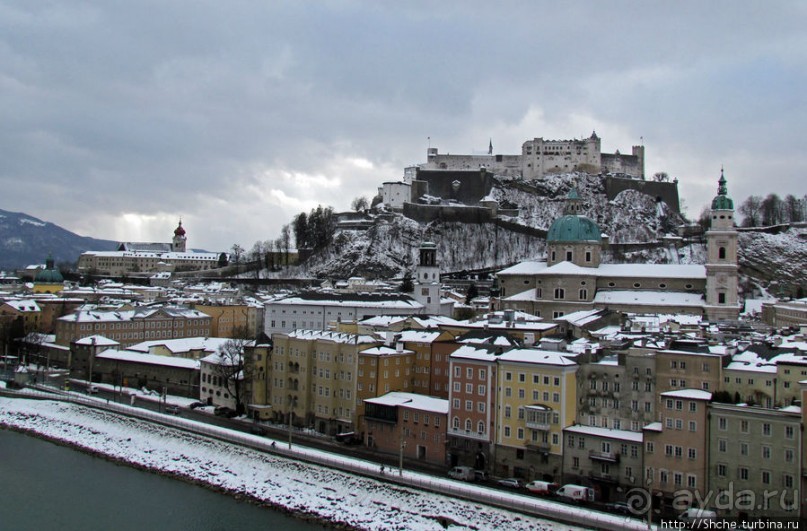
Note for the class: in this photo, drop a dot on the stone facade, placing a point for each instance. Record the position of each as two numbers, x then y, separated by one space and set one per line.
756 450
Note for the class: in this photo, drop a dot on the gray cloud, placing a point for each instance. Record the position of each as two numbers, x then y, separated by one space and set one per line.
118 119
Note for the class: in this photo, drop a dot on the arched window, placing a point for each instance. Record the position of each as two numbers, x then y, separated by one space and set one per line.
467 424
456 423
480 427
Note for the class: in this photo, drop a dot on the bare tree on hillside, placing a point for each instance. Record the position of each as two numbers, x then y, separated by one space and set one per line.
285 239
751 210
359 204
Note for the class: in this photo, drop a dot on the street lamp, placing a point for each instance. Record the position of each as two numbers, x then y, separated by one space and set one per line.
400 454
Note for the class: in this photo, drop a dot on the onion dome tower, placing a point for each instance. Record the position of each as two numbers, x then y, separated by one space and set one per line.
722 298
179 240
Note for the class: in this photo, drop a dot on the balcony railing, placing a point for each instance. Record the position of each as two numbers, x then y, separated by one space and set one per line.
470 434
608 457
537 425
538 446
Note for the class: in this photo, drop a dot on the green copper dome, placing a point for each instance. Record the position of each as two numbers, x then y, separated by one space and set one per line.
49 275
574 229
722 201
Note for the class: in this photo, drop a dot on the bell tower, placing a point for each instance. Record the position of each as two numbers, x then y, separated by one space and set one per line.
178 244
427 279
722 298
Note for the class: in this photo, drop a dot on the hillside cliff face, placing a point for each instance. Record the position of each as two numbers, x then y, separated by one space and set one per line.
27 240
390 247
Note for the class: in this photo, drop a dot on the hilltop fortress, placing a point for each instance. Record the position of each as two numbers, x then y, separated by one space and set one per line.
541 157
436 188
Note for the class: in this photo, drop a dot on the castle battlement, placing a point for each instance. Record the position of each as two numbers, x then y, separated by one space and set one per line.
540 157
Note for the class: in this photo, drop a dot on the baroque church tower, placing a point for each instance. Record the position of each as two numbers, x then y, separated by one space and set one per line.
178 244
722 301
427 279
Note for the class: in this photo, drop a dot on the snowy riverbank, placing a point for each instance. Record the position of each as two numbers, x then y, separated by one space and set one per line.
335 497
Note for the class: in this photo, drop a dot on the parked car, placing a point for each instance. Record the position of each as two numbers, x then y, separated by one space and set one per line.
618 508
92 390
172 409
480 475
513 483
224 411
692 516
464 473
543 488
195 405
576 493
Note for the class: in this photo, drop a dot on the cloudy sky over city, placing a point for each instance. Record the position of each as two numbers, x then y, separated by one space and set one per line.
118 118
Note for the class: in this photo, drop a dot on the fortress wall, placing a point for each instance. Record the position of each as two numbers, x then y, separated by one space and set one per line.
666 191
462 214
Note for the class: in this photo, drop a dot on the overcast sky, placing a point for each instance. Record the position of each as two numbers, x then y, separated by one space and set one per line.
118 118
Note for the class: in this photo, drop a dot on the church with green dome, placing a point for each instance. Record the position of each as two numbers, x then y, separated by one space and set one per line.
573 237
49 280
573 279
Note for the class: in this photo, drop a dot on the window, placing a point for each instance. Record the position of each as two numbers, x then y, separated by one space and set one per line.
588 256
560 293
789 432
722 424
766 429
583 294
722 444
693 453
721 470
742 473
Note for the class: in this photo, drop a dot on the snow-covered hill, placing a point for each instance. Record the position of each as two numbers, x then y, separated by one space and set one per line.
390 247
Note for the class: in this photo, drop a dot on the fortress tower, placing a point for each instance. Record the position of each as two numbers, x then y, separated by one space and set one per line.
722 301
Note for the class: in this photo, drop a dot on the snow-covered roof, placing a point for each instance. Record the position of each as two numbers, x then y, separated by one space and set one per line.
693 394
186 344
336 337
524 268
210 257
581 318
413 401
649 298
790 358
399 302
419 336
470 352
98 341
606 433
24 305
383 350
659 271
542 357
639 271
654 426
149 359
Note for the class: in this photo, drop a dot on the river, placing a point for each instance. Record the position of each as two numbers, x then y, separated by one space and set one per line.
47 486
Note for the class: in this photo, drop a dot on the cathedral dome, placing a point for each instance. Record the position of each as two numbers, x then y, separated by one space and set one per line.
572 228
179 231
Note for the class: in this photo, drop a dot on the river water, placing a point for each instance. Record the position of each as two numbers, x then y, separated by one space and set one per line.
44 486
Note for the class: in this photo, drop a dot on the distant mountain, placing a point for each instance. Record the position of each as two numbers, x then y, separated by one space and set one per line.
26 240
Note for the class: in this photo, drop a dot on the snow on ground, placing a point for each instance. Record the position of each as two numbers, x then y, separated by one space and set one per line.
361 502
